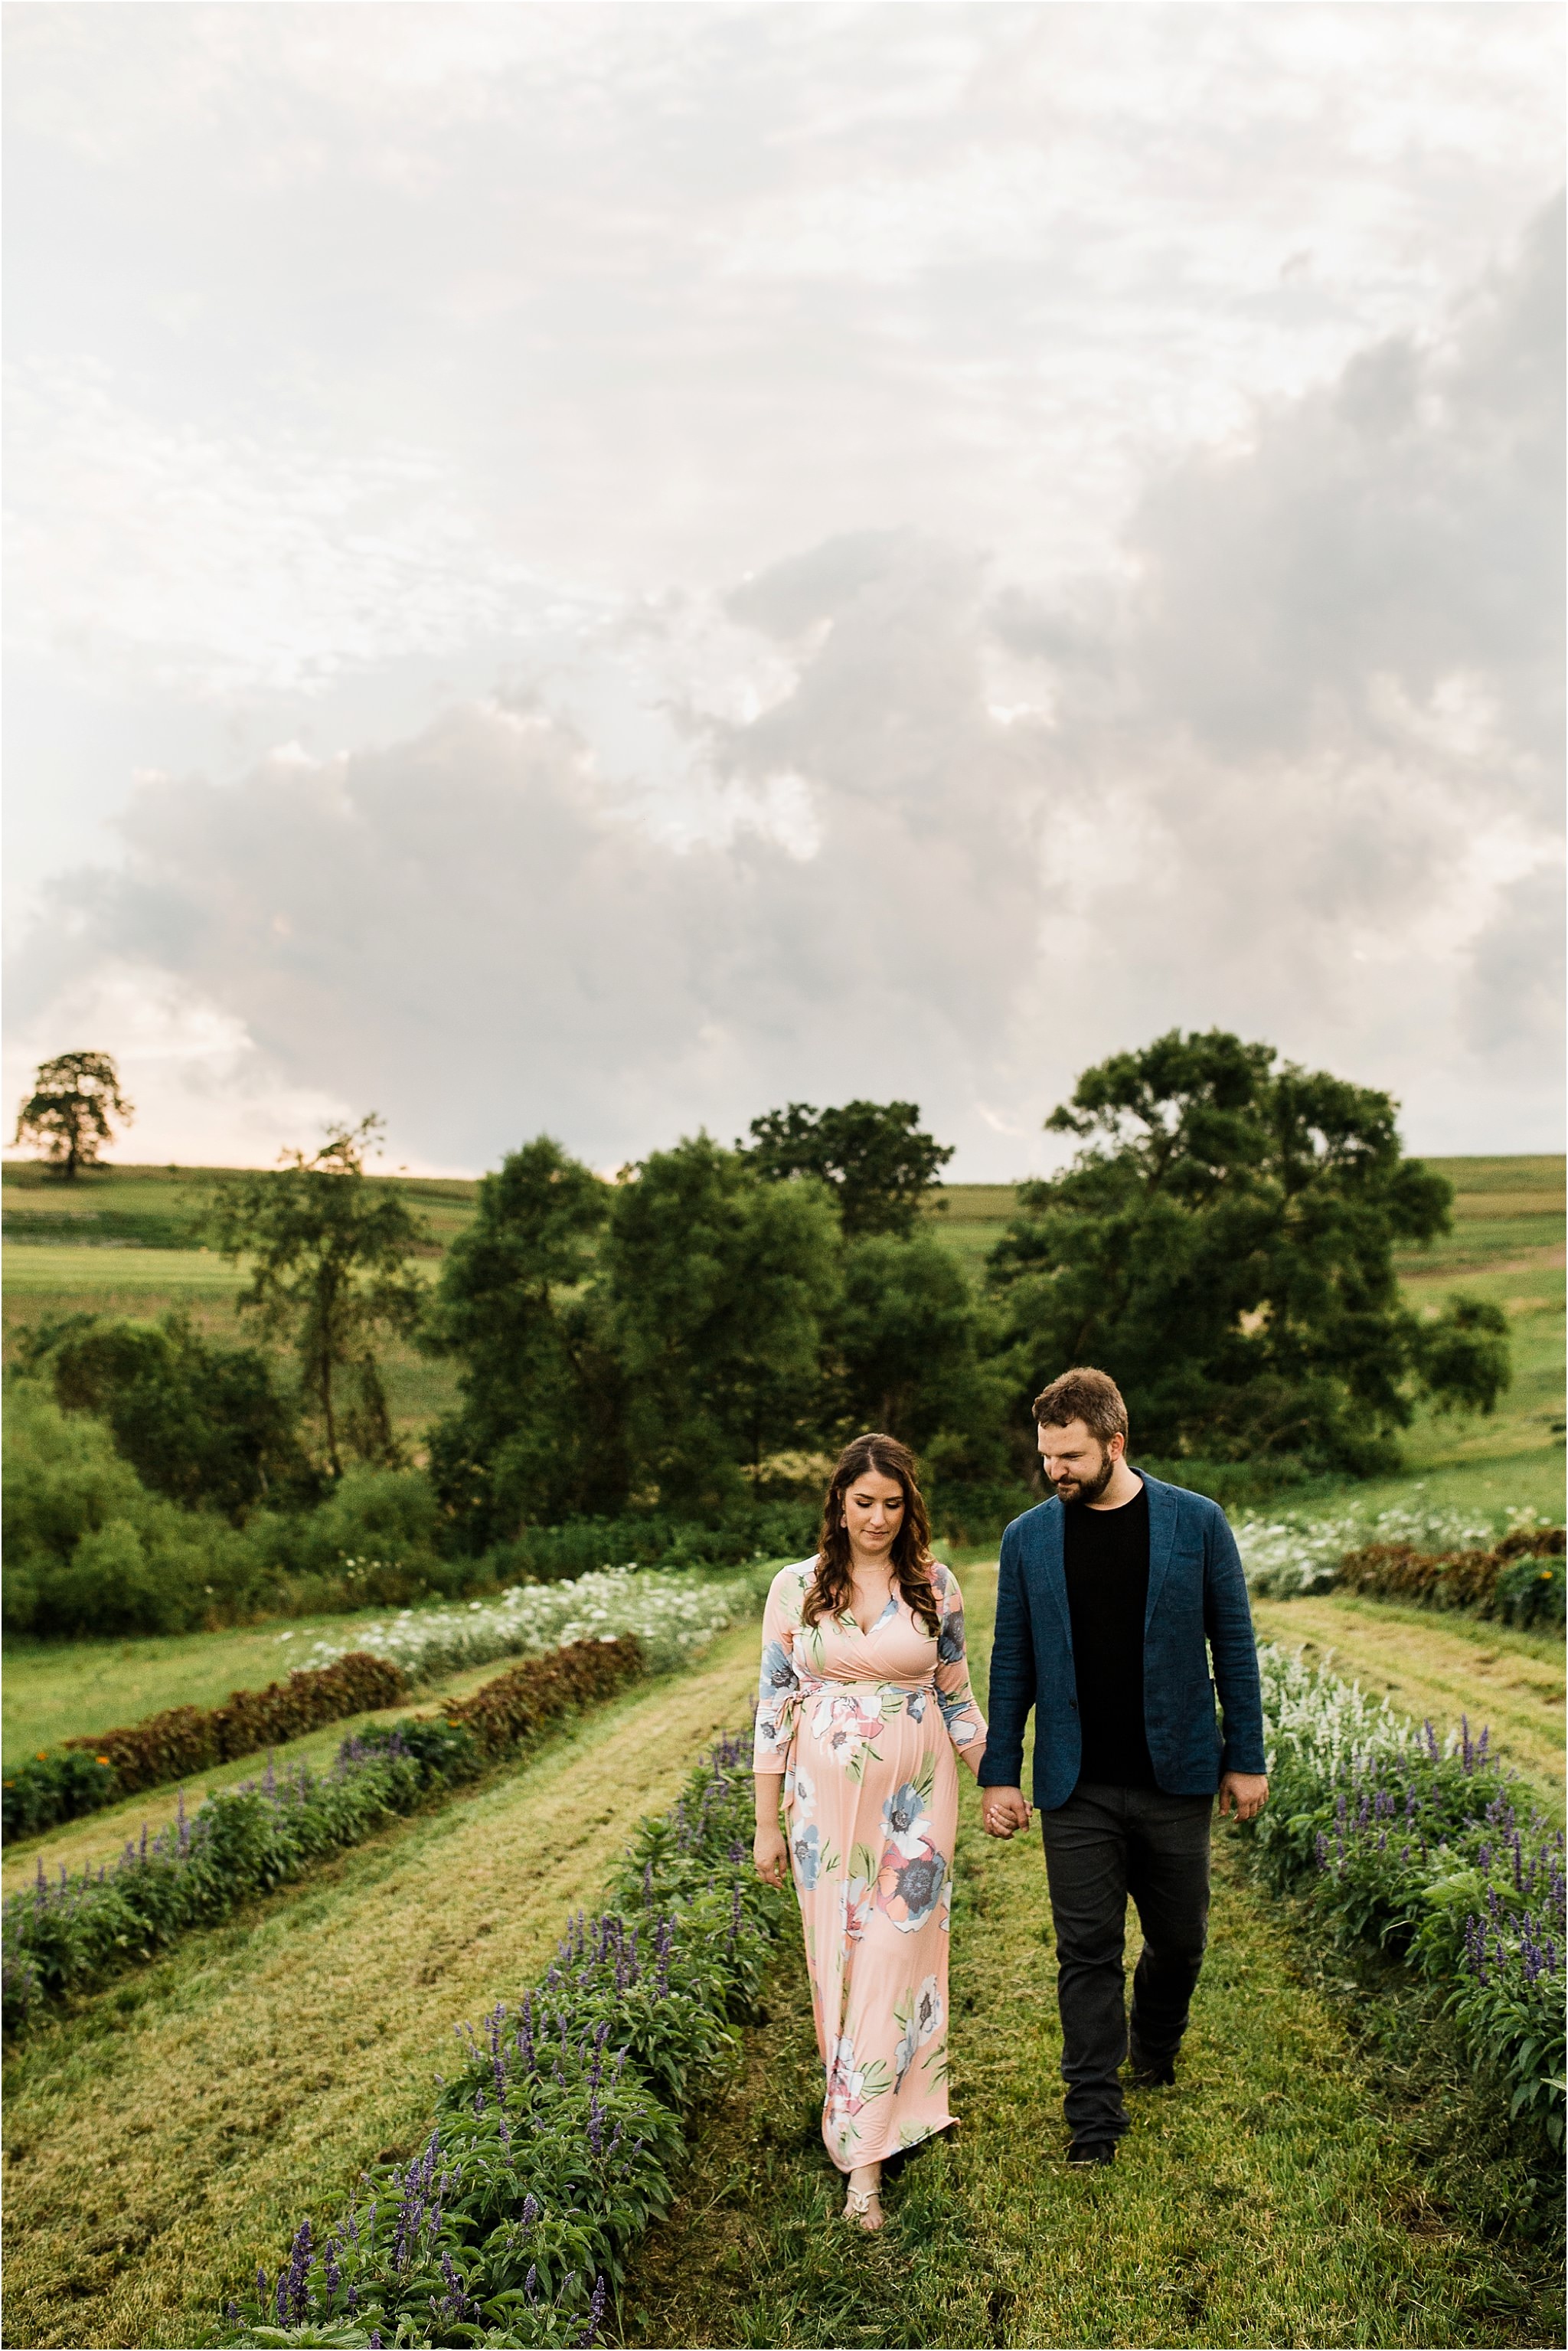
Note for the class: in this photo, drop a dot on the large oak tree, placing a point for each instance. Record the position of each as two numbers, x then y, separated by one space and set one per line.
1223 1245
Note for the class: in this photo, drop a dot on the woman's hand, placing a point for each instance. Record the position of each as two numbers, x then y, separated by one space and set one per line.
771 1857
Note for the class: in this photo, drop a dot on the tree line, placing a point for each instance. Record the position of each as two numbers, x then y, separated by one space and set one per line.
685 1337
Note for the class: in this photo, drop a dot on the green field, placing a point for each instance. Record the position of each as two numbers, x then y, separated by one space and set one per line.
1295 2189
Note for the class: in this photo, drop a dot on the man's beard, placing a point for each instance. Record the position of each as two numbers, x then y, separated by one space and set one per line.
1088 1490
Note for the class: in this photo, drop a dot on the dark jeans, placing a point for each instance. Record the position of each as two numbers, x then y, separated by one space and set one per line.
1102 1844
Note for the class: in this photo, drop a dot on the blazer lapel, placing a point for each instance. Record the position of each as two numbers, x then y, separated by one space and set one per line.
1054 1568
1162 1540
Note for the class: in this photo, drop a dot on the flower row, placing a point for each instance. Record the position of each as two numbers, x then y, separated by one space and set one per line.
673 1614
1428 1849
557 2139
64 1935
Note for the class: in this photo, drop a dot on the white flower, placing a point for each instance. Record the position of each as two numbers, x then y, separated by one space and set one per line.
672 1615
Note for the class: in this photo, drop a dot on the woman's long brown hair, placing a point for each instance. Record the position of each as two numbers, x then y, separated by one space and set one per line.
830 1590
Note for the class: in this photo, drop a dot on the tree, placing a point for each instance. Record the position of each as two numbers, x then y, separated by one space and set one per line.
535 1436
1222 1245
203 1424
907 1353
70 1109
329 1272
717 1286
874 1157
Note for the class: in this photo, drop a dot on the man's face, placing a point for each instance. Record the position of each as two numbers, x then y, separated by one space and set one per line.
1077 1464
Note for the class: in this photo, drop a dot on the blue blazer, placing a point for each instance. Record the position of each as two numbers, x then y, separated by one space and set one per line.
1197 1595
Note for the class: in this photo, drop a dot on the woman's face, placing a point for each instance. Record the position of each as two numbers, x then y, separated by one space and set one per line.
873 1512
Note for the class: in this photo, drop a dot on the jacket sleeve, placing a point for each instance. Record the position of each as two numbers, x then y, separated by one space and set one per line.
1227 1622
1012 1690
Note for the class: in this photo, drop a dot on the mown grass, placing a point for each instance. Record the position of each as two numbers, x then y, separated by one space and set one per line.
1438 1666
1291 2190
167 2136
1296 2188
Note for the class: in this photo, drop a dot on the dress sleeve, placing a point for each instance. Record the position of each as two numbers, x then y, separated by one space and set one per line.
778 1689
965 1724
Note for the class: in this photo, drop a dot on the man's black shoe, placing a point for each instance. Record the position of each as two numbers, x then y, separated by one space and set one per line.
1154 2073
1084 2152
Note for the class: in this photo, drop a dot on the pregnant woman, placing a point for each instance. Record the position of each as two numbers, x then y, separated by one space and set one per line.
864 1701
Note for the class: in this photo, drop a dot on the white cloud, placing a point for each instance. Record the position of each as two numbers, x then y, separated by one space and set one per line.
1323 817
858 551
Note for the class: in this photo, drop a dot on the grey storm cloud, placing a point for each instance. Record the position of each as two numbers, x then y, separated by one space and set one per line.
1293 767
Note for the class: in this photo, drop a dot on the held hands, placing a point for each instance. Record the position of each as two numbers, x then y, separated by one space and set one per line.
1247 1791
1003 1810
770 1857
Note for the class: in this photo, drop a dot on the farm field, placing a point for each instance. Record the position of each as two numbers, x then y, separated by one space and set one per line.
169 2135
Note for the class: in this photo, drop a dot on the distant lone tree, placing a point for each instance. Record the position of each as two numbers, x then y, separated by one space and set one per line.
68 1112
1223 1246
329 1272
874 1156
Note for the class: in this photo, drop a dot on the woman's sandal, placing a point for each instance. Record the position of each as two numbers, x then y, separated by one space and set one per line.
859 2203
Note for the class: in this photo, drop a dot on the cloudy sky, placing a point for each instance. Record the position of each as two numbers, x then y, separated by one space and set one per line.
601 568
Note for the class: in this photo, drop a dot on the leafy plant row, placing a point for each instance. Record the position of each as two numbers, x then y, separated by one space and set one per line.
93 1770
65 1935
1429 1851
557 2138
1520 1581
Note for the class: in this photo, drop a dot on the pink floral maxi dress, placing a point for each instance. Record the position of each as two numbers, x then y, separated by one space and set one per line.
864 1727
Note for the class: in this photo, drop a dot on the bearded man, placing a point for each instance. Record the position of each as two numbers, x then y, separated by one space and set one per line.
1112 1599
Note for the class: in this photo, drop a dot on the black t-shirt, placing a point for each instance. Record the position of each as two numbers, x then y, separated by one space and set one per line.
1107 1564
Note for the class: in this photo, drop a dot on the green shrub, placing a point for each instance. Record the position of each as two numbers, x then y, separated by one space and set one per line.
1530 1592
89 1550
203 1425
52 1788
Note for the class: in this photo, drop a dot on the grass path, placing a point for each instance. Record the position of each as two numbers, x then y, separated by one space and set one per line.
166 2138
1284 2193
1437 1666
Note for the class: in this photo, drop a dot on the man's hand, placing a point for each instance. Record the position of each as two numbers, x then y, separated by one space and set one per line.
1003 1810
1247 1791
